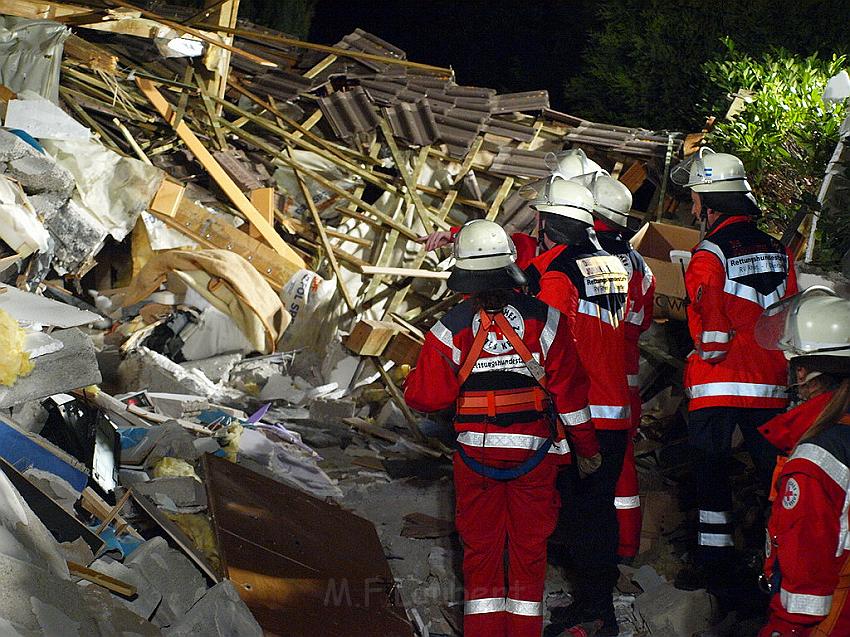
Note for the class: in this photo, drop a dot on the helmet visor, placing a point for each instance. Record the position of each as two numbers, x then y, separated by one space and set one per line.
770 330
777 328
680 174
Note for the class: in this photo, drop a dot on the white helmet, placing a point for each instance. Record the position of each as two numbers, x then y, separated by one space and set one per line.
708 171
565 198
570 163
612 199
814 324
485 258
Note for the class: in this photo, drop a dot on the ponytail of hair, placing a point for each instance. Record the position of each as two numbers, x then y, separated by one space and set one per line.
835 409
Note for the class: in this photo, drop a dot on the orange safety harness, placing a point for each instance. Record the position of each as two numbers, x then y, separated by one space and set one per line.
503 401
491 404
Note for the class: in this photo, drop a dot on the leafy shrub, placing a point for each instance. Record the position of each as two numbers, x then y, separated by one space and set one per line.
785 135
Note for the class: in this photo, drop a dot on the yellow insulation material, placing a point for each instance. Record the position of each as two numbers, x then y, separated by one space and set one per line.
15 361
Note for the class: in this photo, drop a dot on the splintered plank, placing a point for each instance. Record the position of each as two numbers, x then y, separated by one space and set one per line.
220 176
195 222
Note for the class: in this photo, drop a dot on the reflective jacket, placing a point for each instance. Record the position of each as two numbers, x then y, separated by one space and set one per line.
735 273
589 286
640 298
808 538
433 384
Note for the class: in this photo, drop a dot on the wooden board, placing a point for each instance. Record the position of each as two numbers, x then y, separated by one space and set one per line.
422 274
370 338
101 579
403 349
212 232
220 176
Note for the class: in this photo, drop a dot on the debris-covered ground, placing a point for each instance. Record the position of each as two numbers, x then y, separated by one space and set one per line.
210 294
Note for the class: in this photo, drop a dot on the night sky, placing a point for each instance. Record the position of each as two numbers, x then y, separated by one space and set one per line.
506 45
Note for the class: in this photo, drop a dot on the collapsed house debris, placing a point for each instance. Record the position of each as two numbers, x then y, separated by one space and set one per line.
211 293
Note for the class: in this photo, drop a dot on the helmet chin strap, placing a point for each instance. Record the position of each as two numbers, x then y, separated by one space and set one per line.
703 220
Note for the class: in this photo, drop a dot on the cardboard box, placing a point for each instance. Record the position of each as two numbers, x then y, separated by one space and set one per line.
654 242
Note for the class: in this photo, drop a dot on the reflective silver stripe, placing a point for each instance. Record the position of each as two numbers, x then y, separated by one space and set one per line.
484 605
800 604
561 448
634 380
708 356
751 294
715 539
839 473
739 289
604 315
830 465
712 247
553 316
525 442
715 517
444 335
627 502
716 337
756 390
648 278
610 412
523 607
636 318
572 418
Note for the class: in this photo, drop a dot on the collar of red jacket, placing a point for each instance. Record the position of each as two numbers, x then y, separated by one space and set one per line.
785 430
541 262
728 221
601 226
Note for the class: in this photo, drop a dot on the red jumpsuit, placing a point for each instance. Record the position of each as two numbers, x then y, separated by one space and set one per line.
736 272
808 542
639 313
590 287
519 514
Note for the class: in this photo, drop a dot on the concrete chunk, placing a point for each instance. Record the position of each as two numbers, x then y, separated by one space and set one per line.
219 613
666 609
147 597
39 173
74 366
13 147
325 410
172 575
178 495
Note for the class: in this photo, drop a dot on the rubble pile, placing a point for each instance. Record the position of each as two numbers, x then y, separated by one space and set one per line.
211 290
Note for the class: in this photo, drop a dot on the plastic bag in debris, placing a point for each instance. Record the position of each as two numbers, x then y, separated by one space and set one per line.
305 297
20 228
15 361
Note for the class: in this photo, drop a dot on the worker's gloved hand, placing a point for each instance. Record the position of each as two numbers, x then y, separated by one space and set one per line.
436 239
777 627
586 466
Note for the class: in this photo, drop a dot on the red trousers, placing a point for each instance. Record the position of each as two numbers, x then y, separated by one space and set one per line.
626 500
492 517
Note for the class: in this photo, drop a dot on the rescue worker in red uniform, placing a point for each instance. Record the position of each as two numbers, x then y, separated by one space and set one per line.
590 287
507 363
612 205
807 567
735 272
